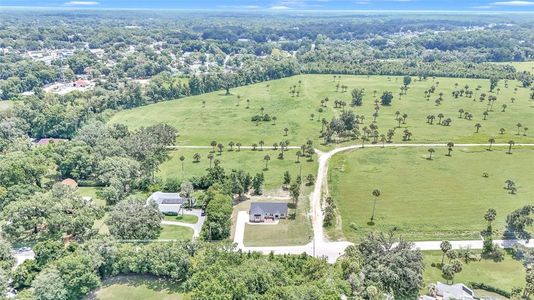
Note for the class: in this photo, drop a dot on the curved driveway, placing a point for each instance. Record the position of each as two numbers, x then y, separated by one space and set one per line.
320 246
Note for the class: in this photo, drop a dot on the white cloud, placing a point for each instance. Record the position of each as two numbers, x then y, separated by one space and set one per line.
514 3
279 7
482 7
82 3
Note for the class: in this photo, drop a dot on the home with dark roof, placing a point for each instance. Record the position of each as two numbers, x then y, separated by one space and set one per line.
262 211
168 202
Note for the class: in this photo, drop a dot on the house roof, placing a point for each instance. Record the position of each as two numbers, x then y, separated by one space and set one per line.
80 82
46 141
267 208
70 182
167 198
455 291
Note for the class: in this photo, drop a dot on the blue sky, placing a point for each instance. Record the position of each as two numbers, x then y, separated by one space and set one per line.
286 5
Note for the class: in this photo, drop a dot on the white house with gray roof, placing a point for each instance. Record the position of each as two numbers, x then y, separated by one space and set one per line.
260 211
168 202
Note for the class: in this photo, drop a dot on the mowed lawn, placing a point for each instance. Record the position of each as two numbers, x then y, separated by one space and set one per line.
505 275
443 198
192 219
222 120
248 160
172 232
139 288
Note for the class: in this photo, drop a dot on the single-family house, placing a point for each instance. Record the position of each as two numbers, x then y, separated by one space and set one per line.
80 83
451 292
168 202
46 141
261 211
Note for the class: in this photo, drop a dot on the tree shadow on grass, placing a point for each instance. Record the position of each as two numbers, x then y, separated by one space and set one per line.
157 284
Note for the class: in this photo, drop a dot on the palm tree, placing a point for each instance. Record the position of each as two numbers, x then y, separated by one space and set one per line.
440 116
210 157
461 111
525 129
254 147
238 145
510 144
502 130
477 126
231 145
450 145
489 216
248 103
261 145
299 154
285 131
196 157
491 141
274 120
485 114
504 106
182 158
445 247
220 147
267 158
364 139
203 103
376 194
430 151
518 125
213 145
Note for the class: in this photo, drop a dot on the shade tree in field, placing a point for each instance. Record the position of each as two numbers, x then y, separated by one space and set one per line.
386 98
357 97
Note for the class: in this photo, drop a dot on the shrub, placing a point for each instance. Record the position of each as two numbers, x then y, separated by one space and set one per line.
489 288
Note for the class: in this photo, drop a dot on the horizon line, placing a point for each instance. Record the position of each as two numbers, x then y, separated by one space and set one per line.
269 10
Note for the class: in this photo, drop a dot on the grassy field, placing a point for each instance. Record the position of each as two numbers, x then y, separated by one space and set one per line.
91 191
296 230
171 232
443 198
521 65
139 288
222 120
504 275
246 159
185 218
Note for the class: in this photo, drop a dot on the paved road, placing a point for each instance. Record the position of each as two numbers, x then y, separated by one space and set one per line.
265 147
320 246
